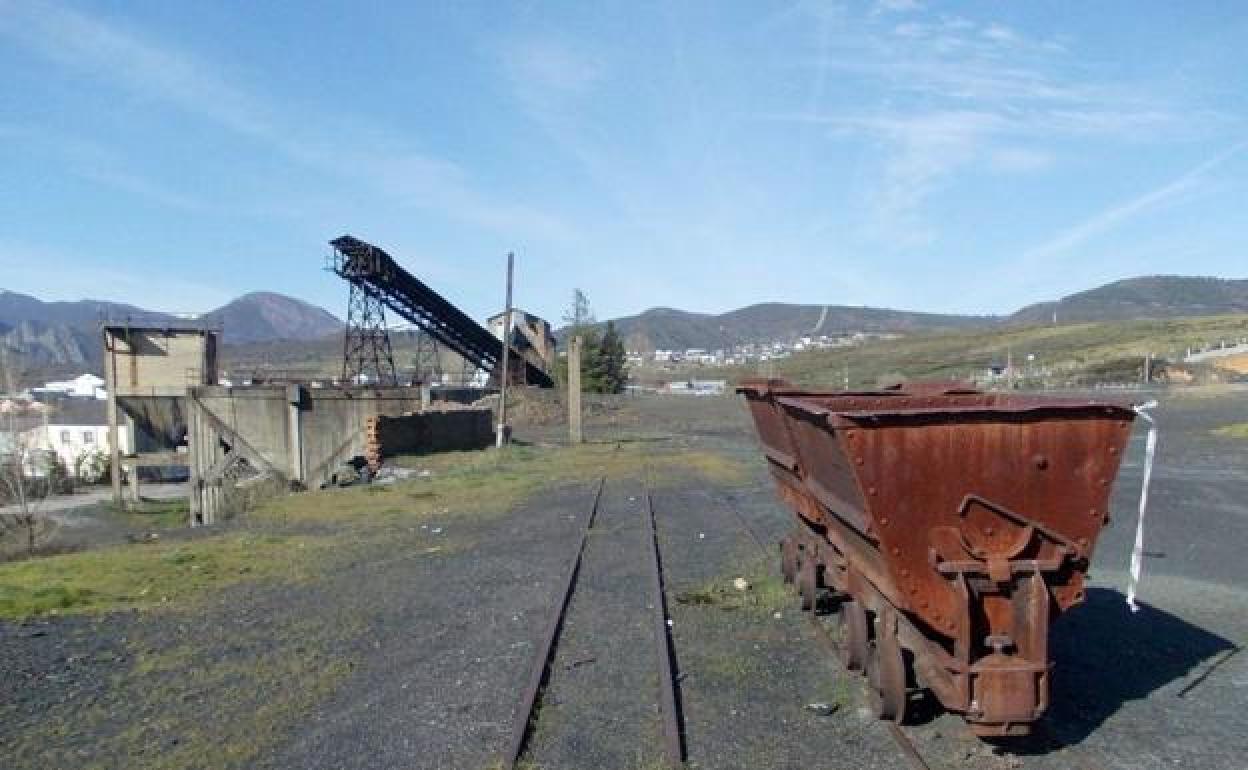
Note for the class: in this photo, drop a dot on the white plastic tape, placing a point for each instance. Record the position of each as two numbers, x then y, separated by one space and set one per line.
1137 552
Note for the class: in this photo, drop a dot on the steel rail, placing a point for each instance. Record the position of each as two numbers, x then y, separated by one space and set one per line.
669 697
899 736
825 639
541 663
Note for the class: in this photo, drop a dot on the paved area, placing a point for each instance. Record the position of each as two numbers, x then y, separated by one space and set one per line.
403 657
97 496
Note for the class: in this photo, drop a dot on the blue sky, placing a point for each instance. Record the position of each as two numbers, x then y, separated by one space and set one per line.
960 157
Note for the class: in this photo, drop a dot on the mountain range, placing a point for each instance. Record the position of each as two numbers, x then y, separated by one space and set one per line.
1160 296
54 338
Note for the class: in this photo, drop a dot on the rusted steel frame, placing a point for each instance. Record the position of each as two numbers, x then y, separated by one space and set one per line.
945 674
669 699
541 663
852 544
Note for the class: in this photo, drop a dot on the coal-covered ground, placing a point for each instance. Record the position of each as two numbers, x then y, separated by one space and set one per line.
413 653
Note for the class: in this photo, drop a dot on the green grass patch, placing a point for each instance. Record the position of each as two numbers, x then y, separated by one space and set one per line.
166 573
148 575
494 480
1067 354
1237 430
765 592
156 514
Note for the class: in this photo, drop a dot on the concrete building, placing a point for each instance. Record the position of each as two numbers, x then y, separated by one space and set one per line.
531 337
82 386
291 435
697 387
148 370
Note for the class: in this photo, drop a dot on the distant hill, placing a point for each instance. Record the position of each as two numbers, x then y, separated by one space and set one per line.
264 316
1154 296
58 338
1164 296
40 340
82 314
671 329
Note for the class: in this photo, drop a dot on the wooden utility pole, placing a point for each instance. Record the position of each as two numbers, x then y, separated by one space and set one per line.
501 437
574 391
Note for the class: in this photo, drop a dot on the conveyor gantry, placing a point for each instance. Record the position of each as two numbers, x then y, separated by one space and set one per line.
375 272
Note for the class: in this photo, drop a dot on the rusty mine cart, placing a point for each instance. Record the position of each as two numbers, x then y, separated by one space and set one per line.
948 525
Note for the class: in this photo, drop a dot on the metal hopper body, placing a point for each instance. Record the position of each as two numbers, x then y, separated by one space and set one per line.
951 523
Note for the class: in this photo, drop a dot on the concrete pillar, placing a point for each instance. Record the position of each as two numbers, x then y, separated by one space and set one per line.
575 433
294 399
114 448
195 509
135 498
426 396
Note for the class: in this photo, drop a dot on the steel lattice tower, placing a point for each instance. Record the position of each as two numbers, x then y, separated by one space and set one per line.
428 358
366 343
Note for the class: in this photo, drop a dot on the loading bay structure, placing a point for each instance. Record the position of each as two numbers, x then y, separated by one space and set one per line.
148 370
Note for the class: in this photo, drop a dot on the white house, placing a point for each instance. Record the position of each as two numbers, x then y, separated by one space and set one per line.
82 386
74 430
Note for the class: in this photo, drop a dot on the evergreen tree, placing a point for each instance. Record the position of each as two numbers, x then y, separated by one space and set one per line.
603 359
581 323
612 361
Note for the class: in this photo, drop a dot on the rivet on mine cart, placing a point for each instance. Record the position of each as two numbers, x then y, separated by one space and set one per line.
948 527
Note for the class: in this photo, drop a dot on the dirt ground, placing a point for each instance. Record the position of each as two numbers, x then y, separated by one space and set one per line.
407 646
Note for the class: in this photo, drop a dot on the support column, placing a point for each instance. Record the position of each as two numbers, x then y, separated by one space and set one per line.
196 510
133 479
294 422
575 434
114 448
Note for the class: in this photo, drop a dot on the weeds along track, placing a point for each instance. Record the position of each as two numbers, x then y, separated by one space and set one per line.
619 548
833 647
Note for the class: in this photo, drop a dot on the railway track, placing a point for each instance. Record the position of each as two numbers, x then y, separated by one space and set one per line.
903 741
668 695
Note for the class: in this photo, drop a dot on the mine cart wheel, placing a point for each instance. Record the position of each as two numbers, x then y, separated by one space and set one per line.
808 583
886 671
854 642
788 558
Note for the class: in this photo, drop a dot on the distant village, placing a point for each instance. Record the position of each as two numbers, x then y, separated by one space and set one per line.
752 352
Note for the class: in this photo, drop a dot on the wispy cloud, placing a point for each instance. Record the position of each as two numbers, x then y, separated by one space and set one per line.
1019 159
1120 213
897 6
541 66
960 93
133 61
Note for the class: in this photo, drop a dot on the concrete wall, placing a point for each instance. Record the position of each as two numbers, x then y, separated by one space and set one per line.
334 424
303 433
139 360
294 433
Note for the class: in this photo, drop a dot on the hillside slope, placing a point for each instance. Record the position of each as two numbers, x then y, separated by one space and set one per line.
1069 354
263 316
668 328
1154 296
